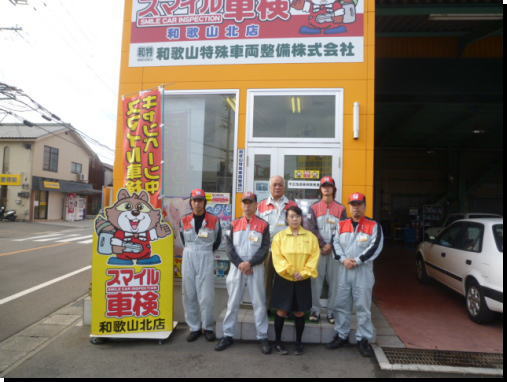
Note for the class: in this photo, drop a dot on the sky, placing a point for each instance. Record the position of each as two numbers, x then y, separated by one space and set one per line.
67 58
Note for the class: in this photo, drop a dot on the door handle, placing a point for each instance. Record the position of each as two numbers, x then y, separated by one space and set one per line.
442 254
469 262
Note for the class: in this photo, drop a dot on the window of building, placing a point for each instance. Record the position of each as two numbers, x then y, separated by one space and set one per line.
296 115
5 161
76 168
50 159
198 143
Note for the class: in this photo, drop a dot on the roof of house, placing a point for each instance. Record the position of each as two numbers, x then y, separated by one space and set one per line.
21 131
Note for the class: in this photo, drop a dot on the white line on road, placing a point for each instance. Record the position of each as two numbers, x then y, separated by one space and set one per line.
54 238
85 241
38 237
43 285
74 238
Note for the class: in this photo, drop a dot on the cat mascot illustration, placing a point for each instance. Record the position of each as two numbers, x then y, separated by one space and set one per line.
130 226
326 16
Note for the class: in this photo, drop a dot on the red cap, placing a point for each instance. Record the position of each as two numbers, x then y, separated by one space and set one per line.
198 194
357 197
249 196
327 179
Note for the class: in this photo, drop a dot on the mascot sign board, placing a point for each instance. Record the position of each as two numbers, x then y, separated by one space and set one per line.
132 290
218 32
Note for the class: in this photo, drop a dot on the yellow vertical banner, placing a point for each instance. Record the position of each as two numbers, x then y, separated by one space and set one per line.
132 270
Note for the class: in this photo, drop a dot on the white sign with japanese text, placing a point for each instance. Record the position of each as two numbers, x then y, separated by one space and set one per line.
304 184
218 32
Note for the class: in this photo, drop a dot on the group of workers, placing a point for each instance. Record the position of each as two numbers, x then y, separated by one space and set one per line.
283 260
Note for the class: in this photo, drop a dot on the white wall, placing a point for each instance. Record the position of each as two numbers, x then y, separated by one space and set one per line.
69 150
20 159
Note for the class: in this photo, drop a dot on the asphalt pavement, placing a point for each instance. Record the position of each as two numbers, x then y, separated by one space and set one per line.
38 265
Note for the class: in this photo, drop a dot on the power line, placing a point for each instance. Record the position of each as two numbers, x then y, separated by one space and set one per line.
12 93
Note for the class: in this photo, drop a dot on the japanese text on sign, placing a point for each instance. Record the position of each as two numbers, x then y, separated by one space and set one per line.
241 171
133 294
142 143
306 174
209 32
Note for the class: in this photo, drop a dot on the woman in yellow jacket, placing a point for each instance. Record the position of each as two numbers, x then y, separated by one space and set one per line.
295 253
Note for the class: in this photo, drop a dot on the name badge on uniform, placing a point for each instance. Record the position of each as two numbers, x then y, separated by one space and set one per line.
203 234
255 239
362 238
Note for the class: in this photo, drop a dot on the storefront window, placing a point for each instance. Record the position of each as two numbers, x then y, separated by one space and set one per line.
198 143
294 116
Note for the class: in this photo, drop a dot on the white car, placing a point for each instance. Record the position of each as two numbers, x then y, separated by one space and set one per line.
467 256
451 218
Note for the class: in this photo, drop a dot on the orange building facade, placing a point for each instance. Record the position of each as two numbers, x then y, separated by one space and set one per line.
230 124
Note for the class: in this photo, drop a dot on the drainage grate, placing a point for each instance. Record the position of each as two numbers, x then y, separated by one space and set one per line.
443 358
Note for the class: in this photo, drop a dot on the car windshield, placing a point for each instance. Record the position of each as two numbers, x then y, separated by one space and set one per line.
498 233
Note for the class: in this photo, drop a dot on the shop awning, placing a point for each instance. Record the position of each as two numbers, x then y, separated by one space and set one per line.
67 186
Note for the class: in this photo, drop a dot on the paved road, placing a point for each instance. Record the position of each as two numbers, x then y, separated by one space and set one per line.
36 256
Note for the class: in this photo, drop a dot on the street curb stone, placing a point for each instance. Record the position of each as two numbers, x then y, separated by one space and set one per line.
23 345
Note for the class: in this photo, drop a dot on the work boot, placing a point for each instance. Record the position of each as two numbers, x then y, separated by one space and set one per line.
281 349
337 342
210 335
299 349
192 336
265 346
365 348
224 343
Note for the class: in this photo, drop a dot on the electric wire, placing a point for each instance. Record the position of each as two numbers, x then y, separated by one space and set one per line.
48 114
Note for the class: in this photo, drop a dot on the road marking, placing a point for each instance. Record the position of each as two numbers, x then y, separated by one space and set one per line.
85 241
60 236
31 249
43 285
38 237
74 238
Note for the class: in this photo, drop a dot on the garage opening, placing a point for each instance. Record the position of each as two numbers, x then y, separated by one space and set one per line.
438 150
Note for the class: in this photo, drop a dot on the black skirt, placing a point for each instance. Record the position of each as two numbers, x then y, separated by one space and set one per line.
291 296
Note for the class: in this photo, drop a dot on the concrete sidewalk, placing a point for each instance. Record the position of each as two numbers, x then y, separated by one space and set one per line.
59 346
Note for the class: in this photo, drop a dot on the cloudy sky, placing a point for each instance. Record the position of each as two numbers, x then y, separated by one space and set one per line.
67 58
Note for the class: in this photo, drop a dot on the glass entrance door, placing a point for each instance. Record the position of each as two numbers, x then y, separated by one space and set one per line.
301 168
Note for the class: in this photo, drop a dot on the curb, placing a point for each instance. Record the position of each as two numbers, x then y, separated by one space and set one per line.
18 348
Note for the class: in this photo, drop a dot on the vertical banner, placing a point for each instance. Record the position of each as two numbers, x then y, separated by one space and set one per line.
132 270
142 119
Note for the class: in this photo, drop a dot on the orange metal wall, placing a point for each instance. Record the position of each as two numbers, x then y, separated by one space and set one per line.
357 80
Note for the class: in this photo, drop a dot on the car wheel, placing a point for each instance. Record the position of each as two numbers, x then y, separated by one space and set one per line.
476 306
422 276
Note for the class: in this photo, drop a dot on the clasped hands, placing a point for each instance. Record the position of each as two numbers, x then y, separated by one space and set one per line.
246 268
349 263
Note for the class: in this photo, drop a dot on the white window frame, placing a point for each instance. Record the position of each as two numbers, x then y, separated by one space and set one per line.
234 92
339 120
277 164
